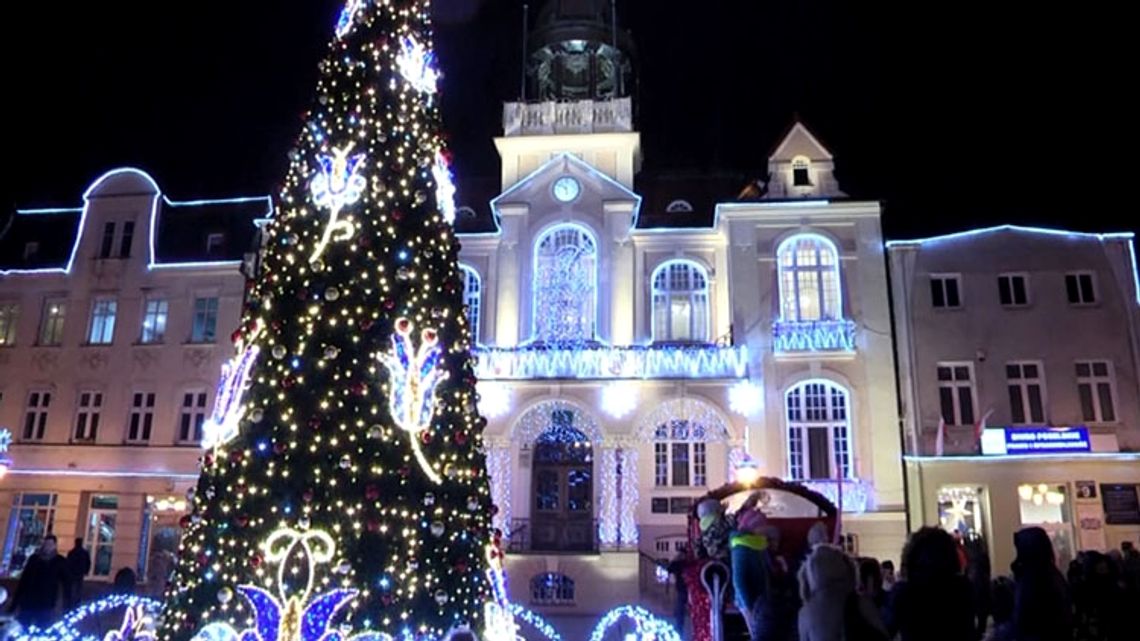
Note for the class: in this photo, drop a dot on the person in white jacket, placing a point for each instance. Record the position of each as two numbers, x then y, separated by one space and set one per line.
832 611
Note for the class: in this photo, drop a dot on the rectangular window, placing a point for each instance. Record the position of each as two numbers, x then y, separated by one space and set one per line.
956 393
102 328
51 322
214 243
680 504
32 518
680 464
142 417
660 464
659 505
1026 393
35 415
31 248
9 314
1079 288
87 416
102 515
154 321
192 415
205 320
945 292
126 239
1013 290
1096 387
108 240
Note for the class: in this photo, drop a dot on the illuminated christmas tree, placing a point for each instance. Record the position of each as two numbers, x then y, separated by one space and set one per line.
343 492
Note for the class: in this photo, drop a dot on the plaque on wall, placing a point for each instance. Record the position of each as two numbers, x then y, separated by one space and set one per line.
1121 503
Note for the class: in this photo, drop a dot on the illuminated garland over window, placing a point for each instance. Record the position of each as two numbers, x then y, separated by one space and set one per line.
813 336
858 495
601 362
692 411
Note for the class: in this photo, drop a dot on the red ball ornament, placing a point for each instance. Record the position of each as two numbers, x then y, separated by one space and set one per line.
373 525
425 437
372 492
184 522
430 335
241 520
461 567
389 304
404 471
236 336
236 456
203 559
288 382
360 389
315 423
403 325
494 509
366 324
256 560
307 496
279 448
460 438
386 599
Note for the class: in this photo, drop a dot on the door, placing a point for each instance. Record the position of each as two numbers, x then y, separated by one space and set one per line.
562 511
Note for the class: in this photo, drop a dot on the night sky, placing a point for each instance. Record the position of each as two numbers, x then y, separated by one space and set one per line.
965 114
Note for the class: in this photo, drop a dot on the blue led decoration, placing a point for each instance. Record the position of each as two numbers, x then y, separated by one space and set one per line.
813 336
536 621
414 373
647 626
137 624
222 426
603 362
417 65
444 186
347 17
336 186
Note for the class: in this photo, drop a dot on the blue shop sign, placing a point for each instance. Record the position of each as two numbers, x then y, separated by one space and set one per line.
1030 441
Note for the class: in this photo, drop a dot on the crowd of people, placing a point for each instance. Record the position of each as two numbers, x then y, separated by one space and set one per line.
943 590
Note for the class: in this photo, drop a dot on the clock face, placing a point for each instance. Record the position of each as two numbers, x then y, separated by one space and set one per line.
566 189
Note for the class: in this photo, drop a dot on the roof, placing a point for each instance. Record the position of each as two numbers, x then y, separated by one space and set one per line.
473 205
701 191
54 231
184 228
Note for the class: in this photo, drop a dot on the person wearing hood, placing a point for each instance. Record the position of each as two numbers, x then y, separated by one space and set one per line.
1042 608
933 601
831 610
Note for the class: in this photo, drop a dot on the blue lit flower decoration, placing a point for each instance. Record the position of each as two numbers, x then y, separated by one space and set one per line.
347 17
336 186
417 65
414 373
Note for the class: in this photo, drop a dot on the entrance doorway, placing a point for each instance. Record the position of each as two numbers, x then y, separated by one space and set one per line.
562 510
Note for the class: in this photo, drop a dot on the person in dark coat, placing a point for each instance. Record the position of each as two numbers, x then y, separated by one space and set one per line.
978 572
78 566
933 601
1042 608
44 576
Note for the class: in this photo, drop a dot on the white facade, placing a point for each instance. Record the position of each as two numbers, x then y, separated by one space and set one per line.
114 322
1018 328
673 353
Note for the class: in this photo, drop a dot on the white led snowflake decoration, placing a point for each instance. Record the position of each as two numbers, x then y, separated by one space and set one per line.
336 186
444 187
414 373
417 65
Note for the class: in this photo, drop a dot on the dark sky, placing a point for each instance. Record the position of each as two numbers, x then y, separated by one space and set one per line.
965 114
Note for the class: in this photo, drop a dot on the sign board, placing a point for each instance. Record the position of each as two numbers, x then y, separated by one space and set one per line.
1121 503
1029 441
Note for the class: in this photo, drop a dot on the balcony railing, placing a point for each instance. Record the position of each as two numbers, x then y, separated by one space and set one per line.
590 361
789 337
578 117
553 535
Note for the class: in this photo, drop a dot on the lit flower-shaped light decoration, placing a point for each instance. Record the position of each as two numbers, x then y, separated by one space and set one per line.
414 373
347 17
417 65
336 186
444 186
137 625
498 617
222 426
5 443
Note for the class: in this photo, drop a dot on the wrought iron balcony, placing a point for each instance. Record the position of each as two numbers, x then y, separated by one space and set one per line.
791 337
595 361
577 117
553 535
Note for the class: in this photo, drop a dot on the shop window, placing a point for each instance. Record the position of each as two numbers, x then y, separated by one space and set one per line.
960 510
1047 506
32 518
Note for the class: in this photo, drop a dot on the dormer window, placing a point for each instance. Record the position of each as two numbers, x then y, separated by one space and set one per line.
465 212
214 243
679 207
108 240
31 248
800 172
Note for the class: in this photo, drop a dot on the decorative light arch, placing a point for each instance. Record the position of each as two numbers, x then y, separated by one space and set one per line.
818 404
680 301
810 288
536 419
694 410
472 299
565 284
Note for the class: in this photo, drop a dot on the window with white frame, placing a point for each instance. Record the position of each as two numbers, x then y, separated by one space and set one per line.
205 320
51 322
191 416
680 455
31 519
1026 384
1096 388
956 393
551 588
9 315
680 302
102 517
565 284
88 412
819 442
801 175
101 330
472 299
154 320
945 291
35 415
809 279
1013 290
141 418
1079 288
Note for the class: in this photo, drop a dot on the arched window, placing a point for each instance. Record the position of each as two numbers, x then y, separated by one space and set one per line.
809 279
472 299
818 430
800 172
551 588
680 302
565 284
678 207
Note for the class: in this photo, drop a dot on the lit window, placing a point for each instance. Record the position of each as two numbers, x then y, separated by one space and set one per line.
1096 386
191 416
818 431
9 314
956 393
472 293
205 320
35 415
945 291
565 285
680 455
1026 385
87 416
1013 290
1079 288
141 418
809 279
551 588
102 514
801 174
1045 505
51 323
680 302
154 321
32 518
101 331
